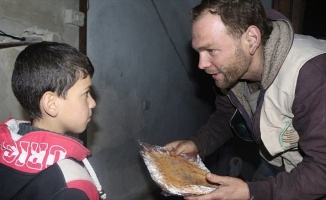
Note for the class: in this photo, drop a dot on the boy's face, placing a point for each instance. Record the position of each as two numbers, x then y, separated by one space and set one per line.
75 110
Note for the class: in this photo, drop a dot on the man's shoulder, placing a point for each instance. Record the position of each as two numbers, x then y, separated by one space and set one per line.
304 49
305 43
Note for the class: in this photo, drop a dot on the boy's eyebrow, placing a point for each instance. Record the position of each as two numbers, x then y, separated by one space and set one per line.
88 87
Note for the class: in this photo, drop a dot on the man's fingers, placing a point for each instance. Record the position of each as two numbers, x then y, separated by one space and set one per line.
220 180
173 145
181 146
170 146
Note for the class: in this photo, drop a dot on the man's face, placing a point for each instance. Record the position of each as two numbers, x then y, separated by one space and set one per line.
220 54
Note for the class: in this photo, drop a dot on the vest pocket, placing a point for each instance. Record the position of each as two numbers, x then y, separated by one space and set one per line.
240 128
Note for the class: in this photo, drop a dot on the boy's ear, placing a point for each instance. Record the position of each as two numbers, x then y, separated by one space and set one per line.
253 37
48 104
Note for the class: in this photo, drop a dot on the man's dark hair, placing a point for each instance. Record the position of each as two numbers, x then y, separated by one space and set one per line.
47 66
237 15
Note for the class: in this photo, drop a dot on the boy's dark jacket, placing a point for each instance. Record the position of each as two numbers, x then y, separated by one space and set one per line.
38 164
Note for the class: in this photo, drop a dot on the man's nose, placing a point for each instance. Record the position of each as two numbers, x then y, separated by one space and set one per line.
203 63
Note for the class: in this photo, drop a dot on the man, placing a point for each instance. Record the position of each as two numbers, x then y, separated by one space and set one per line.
272 90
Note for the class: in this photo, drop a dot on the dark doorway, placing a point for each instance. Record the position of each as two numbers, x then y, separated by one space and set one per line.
307 16
314 20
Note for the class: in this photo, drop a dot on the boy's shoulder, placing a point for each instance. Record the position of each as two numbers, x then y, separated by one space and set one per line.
68 179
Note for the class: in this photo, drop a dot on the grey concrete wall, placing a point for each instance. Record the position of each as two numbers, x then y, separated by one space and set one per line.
145 84
267 3
147 87
17 16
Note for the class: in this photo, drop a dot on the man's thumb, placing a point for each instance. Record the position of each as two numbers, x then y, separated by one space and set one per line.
213 178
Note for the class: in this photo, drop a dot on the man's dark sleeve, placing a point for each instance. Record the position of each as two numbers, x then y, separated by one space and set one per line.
217 130
308 179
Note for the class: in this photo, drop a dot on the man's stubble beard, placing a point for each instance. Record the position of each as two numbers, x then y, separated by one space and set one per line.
234 70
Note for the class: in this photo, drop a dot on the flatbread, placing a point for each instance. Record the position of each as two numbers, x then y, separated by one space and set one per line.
177 175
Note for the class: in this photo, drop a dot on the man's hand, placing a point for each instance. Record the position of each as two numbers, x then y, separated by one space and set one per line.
230 189
182 146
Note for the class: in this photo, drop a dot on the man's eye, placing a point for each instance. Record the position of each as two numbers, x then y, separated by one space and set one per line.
212 52
87 93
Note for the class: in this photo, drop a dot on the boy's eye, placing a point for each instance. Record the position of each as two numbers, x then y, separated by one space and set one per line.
87 93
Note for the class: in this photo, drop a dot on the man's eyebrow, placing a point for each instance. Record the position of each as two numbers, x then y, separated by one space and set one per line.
206 46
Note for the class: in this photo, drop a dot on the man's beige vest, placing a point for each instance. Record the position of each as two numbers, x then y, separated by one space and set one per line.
277 132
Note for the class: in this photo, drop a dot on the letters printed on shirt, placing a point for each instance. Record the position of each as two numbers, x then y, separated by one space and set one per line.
31 156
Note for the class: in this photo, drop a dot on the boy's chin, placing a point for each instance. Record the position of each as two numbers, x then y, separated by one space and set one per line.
76 133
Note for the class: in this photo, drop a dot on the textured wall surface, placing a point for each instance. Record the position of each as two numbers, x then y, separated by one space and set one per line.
146 84
18 16
147 87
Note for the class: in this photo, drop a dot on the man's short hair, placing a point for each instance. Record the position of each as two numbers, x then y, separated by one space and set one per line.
237 15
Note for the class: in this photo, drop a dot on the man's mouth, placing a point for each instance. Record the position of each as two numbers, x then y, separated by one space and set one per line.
216 76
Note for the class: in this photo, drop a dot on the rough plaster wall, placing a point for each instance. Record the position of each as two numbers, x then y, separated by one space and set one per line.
140 60
267 3
136 63
142 56
15 17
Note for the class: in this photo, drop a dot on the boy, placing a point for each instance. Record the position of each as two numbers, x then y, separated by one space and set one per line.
52 83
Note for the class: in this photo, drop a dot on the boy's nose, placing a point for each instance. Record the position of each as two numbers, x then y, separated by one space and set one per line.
92 103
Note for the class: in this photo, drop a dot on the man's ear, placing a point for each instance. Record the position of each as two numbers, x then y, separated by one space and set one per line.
253 37
48 104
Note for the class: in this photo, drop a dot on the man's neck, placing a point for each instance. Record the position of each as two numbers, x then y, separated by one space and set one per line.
253 86
257 65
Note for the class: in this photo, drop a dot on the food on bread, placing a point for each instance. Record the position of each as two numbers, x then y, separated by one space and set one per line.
177 175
